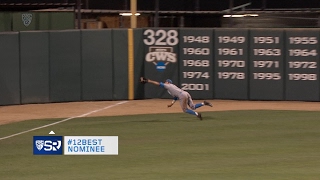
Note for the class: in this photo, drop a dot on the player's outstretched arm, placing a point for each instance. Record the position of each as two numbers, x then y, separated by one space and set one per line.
144 80
153 82
173 101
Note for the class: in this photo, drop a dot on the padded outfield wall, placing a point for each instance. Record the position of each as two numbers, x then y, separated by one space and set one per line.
243 64
90 65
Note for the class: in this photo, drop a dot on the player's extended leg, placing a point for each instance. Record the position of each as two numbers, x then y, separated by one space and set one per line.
193 106
207 103
184 104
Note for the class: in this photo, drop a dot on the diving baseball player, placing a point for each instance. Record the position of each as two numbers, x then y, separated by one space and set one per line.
178 94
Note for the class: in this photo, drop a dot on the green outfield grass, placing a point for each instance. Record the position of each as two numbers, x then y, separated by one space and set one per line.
248 145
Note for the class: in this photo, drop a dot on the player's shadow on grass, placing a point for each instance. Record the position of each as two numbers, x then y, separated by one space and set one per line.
191 119
152 120
167 121
180 119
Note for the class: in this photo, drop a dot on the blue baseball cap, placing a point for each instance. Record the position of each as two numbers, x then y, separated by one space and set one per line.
169 81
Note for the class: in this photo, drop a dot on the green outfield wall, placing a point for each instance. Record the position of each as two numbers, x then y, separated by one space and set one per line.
92 65
34 67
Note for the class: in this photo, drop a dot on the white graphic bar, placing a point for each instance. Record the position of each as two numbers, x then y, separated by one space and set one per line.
90 145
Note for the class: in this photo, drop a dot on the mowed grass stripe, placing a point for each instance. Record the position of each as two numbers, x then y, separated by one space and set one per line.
225 145
60 121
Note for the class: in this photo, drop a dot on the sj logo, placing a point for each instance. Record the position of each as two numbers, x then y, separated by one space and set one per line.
47 145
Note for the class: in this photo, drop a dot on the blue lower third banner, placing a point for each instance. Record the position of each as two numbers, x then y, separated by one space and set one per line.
47 145
90 145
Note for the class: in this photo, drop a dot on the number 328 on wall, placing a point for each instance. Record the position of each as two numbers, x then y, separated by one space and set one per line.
161 37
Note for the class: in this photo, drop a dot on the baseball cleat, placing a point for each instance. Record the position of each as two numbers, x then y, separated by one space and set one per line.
207 103
199 116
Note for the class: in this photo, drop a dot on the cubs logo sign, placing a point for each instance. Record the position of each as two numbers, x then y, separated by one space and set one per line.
26 19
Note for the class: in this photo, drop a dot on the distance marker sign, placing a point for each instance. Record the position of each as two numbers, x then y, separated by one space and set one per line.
161 59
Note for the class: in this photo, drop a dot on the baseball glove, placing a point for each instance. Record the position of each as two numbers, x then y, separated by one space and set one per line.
143 80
